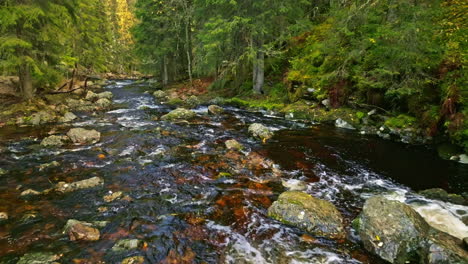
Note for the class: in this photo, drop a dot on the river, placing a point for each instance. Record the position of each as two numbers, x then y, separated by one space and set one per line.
191 201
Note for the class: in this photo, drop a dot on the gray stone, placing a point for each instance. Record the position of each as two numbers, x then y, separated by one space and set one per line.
64 187
233 144
340 123
39 258
326 103
260 131
68 117
215 110
192 101
54 141
103 103
398 234
179 114
316 216
30 192
127 244
83 136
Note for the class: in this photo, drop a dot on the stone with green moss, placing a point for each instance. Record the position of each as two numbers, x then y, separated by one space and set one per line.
233 144
260 131
313 215
179 114
39 258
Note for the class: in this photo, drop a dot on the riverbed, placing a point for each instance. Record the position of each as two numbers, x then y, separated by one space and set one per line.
192 201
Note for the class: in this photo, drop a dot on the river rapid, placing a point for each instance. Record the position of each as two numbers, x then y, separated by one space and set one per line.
192 201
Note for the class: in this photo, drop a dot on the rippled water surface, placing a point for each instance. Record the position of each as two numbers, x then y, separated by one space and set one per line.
182 203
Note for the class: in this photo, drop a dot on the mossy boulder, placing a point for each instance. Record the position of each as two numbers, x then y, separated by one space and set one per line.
233 144
443 195
215 110
67 117
179 114
260 131
39 258
54 141
316 216
160 95
192 102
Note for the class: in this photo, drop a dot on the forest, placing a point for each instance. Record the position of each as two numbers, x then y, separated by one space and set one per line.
233 131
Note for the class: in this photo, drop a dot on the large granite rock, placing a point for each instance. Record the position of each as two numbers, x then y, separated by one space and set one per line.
398 234
316 216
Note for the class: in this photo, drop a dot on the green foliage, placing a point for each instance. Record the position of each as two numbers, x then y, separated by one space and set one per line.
401 121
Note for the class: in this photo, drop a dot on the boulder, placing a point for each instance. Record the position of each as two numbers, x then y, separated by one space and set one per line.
192 101
233 144
41 118
179 114
442 195
103 103
215 110
64 187
39 258
67 117
90 95
54 141
260 131
316 216
127 244
83 231
83 136
398 234
160 95
105 95
340 123
80 105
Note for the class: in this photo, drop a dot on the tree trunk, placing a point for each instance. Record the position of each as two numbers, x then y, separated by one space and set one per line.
26 81
165 75
188 47
259 72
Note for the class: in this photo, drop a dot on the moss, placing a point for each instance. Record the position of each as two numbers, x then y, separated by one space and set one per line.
254 103
224 175
175 101
401 121
356 223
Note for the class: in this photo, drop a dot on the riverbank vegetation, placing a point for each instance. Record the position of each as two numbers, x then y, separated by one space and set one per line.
406 57
49 43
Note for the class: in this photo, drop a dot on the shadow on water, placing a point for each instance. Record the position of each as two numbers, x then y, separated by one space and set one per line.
186 197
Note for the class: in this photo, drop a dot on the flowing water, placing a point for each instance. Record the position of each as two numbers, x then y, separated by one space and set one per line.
191 201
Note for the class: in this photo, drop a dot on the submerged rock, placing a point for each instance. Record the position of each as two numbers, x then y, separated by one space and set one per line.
54 141
64 187
112 197
316 216
179 114
49 165
78 230
127 244
398 234
68 117
83 136
3 216
233 144
134 260
260 131
30 192
340 123
215 110
39 258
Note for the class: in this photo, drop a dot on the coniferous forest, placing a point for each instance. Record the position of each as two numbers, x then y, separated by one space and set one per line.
233 131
